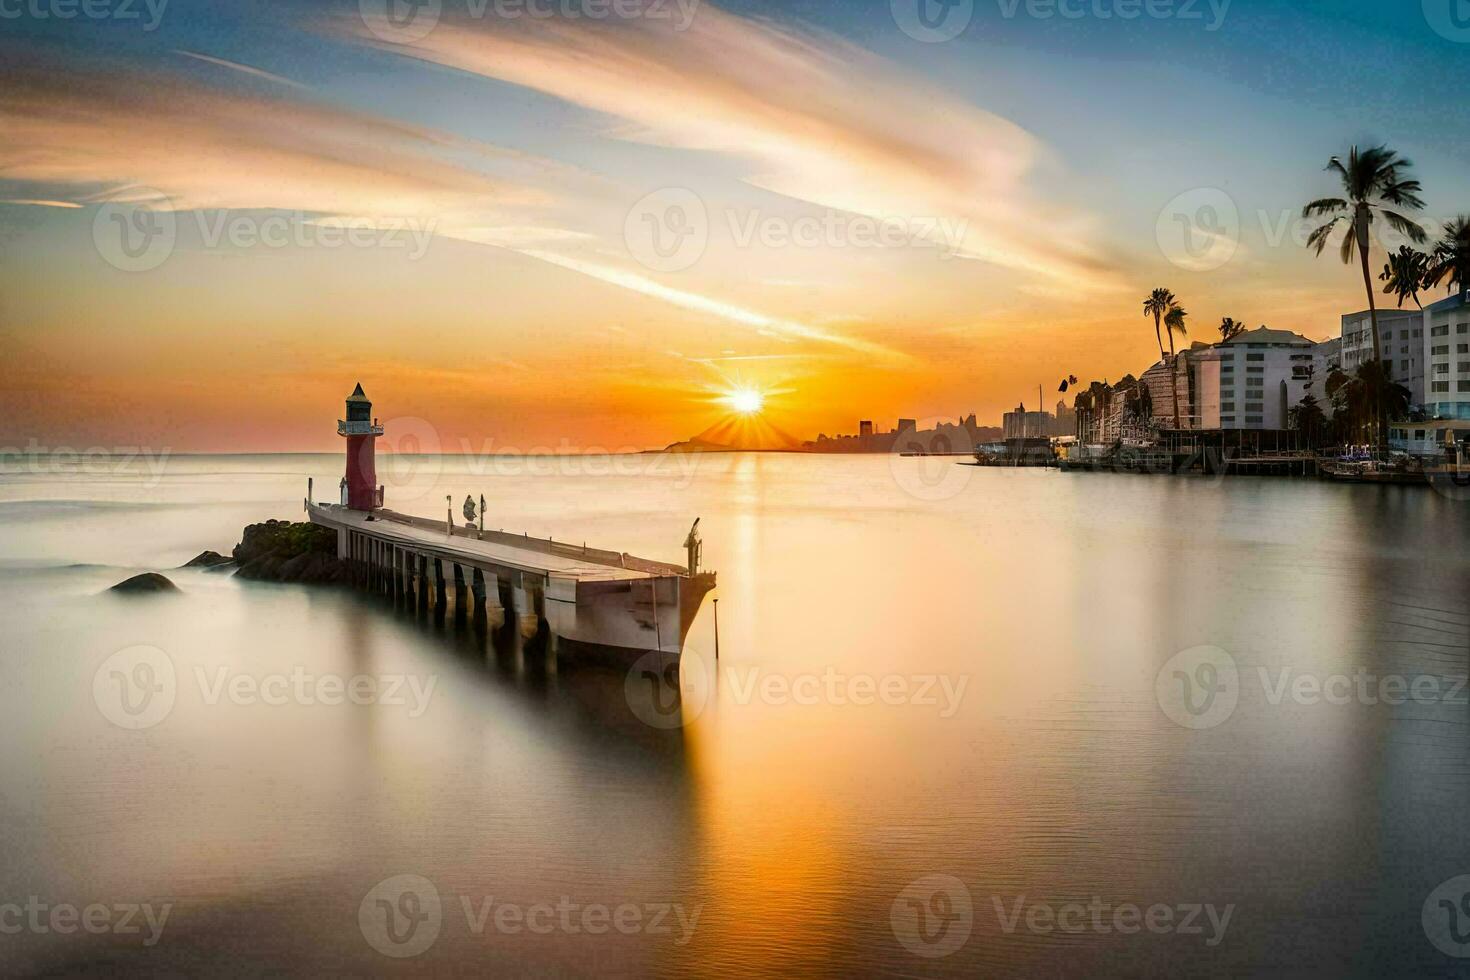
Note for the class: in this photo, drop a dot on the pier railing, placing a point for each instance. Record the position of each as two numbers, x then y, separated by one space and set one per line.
598 556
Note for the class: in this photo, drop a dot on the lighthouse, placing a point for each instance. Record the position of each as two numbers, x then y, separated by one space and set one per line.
360 484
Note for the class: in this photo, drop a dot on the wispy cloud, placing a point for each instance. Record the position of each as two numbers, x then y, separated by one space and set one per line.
42 204
815 118
113 135
243 69
183 146
765 325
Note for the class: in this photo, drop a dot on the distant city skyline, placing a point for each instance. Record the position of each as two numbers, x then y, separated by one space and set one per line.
536 233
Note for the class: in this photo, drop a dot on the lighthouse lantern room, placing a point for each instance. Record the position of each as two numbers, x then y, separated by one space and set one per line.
360 489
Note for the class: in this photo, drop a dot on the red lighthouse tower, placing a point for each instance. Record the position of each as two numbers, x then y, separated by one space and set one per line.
360 485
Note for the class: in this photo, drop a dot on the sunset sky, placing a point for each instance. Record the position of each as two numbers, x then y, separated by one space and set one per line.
1029 170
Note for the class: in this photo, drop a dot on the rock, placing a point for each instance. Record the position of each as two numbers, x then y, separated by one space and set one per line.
145 583
207 559
279 551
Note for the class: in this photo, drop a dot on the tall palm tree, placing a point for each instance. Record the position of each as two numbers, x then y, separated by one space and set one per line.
1174 322
1406 272
1372 179
1157 305
1230 327
1451 258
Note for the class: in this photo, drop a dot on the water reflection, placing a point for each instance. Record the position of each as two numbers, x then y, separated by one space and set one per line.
792 825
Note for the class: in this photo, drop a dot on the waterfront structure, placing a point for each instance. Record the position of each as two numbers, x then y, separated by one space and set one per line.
1446 328
604 602
1022 424
360 489
1431 440
1401 338
959 436
1254 379
1161 389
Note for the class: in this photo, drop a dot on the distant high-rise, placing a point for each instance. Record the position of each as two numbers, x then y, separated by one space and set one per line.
865 429
908 425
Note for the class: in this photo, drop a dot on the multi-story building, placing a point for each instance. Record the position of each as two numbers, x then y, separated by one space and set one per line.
1253 380
1022 424
1401 336
1161 389
1447 357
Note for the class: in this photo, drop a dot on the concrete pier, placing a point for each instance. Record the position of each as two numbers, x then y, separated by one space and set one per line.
546 591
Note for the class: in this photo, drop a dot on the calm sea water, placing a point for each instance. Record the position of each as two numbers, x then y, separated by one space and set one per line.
1007 723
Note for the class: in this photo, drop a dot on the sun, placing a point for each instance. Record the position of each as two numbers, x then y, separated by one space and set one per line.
746 401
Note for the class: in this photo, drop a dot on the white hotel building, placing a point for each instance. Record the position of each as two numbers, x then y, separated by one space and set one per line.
1447 357
1401 335
1253 380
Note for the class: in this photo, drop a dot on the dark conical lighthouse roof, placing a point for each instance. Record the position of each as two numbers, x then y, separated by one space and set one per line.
357 394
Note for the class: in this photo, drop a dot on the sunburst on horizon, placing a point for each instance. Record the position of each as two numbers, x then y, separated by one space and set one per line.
745 400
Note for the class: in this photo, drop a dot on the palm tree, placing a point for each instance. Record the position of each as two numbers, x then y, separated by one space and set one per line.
1308 419
1372 179
1451 259
1406 272
1359 397
1158 304
1230 328
1174 323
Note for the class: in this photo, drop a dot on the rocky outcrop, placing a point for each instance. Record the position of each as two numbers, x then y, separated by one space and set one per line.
279 551
207 559
144 584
